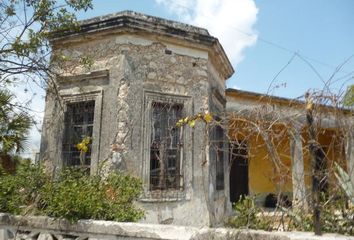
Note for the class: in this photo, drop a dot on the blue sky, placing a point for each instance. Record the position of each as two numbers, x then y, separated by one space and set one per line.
319 31
261 37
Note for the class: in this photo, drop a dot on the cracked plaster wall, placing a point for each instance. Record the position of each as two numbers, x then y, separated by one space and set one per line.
137 64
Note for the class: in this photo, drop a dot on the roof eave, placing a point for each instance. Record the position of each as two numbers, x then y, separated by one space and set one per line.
132 22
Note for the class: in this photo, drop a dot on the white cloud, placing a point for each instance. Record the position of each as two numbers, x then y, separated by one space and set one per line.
228 20
235 87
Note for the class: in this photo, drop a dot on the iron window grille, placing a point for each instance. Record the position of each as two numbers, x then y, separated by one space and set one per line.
217 153
165 146
79 117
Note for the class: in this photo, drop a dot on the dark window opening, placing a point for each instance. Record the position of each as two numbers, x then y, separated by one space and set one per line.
217 153
166 140
238 171
78 125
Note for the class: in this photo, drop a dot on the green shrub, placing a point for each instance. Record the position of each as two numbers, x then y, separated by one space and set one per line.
72 195
122 191
299 221
19 193
76 195
337 216
2 172
248 215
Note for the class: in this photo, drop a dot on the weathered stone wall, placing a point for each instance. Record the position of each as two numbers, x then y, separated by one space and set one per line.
219 201
136 66
42 228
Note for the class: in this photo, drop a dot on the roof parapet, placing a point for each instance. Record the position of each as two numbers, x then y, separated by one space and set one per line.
132 22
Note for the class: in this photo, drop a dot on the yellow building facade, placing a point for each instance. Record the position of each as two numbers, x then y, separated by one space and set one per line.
269 151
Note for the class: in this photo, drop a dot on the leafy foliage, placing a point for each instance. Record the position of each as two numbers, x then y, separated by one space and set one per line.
26 27
336 217
300 221
73 195
19 192
348 99
345 183
191 120
248 215
14 128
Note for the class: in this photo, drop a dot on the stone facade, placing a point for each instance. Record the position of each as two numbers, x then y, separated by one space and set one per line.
136 61
128 65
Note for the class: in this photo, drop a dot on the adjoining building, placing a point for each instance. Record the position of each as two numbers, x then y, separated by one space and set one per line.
125 81
269 141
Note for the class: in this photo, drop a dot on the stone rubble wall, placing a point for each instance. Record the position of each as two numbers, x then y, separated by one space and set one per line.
139 65
44 228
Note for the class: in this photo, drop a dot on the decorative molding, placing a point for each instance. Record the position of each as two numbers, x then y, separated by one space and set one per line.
96 96
99 74
129 22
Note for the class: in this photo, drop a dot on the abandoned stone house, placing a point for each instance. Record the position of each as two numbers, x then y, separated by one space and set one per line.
126 80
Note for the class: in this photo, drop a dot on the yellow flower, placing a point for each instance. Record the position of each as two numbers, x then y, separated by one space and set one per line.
86 140
79 146
84 148
191 123
83 145
208 117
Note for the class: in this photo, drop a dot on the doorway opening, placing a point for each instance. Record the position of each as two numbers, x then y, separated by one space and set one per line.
238 171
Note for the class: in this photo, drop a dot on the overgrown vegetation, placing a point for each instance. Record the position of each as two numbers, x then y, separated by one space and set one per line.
73 195
337 217
249 215
19 192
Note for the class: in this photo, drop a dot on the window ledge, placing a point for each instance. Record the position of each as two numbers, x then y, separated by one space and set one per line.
164 196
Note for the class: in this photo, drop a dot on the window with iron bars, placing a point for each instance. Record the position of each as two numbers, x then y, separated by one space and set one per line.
165 151
78 119
217 153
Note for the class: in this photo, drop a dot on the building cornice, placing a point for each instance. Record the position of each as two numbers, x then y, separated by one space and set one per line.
129 22
270 99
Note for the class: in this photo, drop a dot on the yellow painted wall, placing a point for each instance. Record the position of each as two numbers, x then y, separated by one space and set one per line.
263 178
333 142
